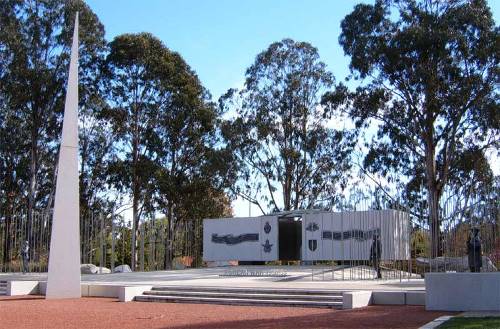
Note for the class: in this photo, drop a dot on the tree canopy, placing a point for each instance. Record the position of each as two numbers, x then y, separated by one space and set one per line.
424 77
35 39
279 134
429 71
165 130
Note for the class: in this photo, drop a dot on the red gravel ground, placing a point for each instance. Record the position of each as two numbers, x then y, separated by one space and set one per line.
35 312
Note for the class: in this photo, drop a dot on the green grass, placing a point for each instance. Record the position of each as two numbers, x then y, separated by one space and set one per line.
471 323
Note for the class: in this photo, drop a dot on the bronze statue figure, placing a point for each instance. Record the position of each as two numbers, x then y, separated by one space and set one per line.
474 251
25 251
375 254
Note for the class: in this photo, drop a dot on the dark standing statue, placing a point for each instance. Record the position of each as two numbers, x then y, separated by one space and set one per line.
375 254
474 251
25 254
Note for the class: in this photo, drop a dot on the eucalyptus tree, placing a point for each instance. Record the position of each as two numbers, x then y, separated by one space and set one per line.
429 78
132 67
288 156
35 40
194 170
166 134
13 170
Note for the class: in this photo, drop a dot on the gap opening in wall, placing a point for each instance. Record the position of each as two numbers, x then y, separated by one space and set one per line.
290 238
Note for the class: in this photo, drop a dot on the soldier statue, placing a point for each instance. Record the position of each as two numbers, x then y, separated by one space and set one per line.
25 255
375 254
474 251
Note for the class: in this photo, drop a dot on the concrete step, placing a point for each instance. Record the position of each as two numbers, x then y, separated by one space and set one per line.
3 288
285 291
238 301
246 295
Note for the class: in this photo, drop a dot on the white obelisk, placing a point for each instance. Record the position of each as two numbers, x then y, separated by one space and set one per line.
64 259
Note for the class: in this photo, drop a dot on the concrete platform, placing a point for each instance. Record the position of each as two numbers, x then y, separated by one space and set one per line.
301 286
463 291
306 277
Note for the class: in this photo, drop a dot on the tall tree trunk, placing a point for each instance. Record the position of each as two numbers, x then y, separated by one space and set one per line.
169 240
33 174
135 187
287 192
9 212
434 221
7 237
433 193
135 207
135 225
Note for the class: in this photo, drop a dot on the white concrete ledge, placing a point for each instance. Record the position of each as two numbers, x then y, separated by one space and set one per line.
362 298
16 288
351 299
389 297
356 299
415 298
398 298
127 294
123 293
462 291
103 291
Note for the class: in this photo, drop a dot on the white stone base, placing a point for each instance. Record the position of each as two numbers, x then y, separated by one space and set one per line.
123 293
17 288
356 299
462 291
127 294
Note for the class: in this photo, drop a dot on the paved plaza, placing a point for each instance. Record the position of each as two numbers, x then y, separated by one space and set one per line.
296 277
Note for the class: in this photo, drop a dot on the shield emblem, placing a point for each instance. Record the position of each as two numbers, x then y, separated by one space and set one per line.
267 246
313 244
312 227
267 228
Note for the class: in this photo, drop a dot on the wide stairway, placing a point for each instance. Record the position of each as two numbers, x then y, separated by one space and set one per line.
3 288
244 296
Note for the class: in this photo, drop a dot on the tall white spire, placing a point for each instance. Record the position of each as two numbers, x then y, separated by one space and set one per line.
64 258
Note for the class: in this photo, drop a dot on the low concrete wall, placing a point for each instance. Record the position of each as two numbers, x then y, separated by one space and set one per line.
102 290
415 298
351 299
42 287
86 290
389 297
127 294
356 299
16 288
123 293
462 291
361 298
398 298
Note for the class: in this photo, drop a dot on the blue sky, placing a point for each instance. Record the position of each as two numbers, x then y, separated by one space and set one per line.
219 39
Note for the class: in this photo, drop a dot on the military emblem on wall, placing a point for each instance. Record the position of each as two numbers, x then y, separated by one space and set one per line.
267 246
230 239
267 228
313 244
356 234
312 226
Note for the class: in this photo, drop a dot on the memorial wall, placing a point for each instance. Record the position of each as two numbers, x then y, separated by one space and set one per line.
325 236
